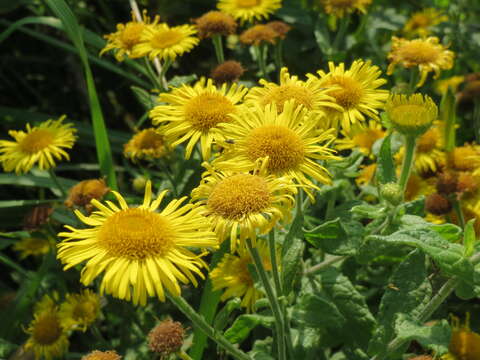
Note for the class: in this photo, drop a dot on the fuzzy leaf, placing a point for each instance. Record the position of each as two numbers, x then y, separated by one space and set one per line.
244 324
386 165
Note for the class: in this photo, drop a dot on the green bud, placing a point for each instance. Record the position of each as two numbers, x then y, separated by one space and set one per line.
392 192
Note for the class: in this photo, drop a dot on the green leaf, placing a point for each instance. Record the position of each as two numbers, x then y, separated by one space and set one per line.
386 166
244 324
223 315
306 344
144 97
448 116
469 238
407 292
318 311
367 211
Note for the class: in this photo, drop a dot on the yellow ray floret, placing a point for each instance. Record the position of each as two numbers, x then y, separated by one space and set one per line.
40 145
194 113
340 8
361 137
249 10
79 311
139 251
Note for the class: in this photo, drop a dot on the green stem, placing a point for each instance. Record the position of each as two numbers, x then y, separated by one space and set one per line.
152 75
260 55
272 299
277 54
200 323
273 260
163 72
412 84
324 264
331 204
57 183
217 44
410 142
458 211
340 37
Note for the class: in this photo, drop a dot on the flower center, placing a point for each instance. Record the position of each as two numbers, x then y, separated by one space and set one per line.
206 110
350 92
150 140
346 4
136 234
428 141
165 39
47 329
84 310
247 3
420 21
130 35
36 141
283 146
367 138
419 52
410 115
279 95
238 196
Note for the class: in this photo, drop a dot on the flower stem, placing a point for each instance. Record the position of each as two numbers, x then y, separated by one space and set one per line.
410 142
324 264
217 44
277 53
260 53
340 37
458 211
165 67
272 299
153 77
57 183
412 84
200 323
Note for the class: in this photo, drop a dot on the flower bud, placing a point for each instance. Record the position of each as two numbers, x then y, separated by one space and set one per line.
392 193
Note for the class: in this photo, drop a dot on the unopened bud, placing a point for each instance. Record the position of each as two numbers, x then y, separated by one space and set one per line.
392 192
139 184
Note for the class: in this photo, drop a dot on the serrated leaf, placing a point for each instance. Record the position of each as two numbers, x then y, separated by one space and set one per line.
408 290
385 165
242 326
318 311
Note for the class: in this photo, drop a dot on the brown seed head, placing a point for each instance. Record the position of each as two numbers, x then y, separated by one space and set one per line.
102 355
37 217
86 190
422 357
258 34
280 28
437 204
229 71
447 183
166 338
215 22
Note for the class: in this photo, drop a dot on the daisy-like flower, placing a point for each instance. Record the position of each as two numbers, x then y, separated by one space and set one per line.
464 343
421 22
290 139
78 311
194 113
249 10
147 144
102 355
418 186
308 93
164 42
82 193
366 175
340 8
453 82
258 34
139 250
34 246
361 138
238 204
42 145
465 158
356 90
426 54
232 274
127 36
215 23
48 337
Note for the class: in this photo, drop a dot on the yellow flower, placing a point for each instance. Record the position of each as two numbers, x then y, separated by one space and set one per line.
42 145
366 175
48 338
102 355
421 22
249 10
233 275
139 250
78 311
194 113
308 93
361 138
147 144
340 8
239 204
127 36
165 42
427 54
290 140
465 158
411 115
453 82
355 90
464 343
34 246
418 186
82 193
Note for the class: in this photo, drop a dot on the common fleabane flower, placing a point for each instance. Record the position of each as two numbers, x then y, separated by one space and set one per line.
139 251
249 10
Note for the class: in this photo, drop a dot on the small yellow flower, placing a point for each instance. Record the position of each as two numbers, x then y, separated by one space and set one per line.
361 138
140 251
308 93
147 144
356 90
233 275
411 115
127 36
215 23
78 311
418 186
34 246
82 193
194 113
453 82
237 204
426 54
464 343
340 8
466 158
259 34
42 145
102 355
421 22
249 10
366 175
164 42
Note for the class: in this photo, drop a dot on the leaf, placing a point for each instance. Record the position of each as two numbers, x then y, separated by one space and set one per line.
318 311
469 238
144 97
367 211
408 290
385 165
448 117
306 344
223 315
244 324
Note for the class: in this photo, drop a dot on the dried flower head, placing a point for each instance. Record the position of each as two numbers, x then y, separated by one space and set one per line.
147 144
447 183
437 204
82 194
258 34
166 338
227 72
215 23
280 28
37 217
102 355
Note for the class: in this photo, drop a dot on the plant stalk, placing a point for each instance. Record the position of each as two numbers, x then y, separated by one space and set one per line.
218 45
57 183
410 143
